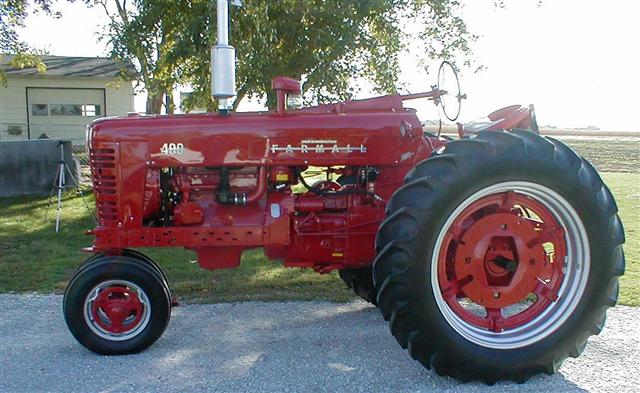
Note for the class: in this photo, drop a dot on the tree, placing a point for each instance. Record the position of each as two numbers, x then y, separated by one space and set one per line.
325 43
145 31
12 16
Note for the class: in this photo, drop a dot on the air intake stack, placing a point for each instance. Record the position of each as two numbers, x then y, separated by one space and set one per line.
223 57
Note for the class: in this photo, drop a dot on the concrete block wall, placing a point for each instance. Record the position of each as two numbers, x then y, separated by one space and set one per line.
29 167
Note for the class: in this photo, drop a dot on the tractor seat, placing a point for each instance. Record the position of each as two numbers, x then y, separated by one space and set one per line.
475 126
505 118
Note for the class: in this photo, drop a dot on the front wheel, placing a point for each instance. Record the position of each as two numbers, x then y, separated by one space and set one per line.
499 257
117 305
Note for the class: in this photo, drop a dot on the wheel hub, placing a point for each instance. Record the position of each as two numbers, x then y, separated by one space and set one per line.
501 261
494 252
117 310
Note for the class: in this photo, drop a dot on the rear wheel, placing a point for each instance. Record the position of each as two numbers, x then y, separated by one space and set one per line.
499 257
117 305
361 282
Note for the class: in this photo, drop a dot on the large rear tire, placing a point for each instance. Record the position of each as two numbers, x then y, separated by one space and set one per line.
499 257
361 282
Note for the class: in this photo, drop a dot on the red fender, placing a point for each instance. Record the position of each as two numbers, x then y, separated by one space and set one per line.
507 118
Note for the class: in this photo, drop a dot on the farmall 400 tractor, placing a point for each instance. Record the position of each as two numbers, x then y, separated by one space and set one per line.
494 256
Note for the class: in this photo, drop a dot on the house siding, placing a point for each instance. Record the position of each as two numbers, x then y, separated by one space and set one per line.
119 97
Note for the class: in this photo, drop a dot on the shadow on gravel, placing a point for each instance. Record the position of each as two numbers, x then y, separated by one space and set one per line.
242 347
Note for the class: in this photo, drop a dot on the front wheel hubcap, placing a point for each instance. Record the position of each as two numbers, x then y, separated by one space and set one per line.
117 310
510 264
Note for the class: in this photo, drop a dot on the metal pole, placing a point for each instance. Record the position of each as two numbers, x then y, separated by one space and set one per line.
223 22
60 185
223 57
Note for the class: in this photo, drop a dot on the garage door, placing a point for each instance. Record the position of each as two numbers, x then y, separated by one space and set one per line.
63 113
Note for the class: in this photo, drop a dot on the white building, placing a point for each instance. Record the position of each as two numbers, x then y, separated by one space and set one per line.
73 92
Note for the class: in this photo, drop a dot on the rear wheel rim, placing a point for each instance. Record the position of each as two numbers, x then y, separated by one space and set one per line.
117 310
491 273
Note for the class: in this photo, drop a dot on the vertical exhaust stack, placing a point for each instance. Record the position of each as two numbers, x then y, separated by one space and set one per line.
223 57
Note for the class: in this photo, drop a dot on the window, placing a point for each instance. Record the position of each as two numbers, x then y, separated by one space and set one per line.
92 110
40 109
66 110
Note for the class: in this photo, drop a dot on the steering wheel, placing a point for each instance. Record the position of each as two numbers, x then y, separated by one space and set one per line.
452 100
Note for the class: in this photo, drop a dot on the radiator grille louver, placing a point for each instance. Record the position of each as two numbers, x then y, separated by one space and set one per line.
104 172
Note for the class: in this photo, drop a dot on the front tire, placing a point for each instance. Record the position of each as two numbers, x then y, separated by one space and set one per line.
117 305
499 257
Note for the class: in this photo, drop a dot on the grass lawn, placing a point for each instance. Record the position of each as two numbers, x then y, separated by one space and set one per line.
626 189
34 258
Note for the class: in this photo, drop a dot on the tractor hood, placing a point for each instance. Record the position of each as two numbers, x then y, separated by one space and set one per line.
351 132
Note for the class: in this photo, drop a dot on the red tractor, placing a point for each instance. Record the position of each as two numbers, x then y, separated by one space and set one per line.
494 256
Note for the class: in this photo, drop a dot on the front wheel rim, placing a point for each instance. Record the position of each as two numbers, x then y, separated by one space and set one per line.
117 310
478 232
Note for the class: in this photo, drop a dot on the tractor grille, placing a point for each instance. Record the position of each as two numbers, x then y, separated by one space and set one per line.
105 174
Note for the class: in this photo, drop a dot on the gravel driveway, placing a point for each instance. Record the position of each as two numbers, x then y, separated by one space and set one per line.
272 347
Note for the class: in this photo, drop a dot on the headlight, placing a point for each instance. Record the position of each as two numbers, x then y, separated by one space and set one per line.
294 101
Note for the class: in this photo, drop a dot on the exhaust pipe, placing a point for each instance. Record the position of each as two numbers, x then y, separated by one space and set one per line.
223 58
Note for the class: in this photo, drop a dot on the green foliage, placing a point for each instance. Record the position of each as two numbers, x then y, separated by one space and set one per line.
325 43
12 16
145 32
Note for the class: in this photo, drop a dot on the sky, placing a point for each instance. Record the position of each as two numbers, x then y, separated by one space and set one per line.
577 61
